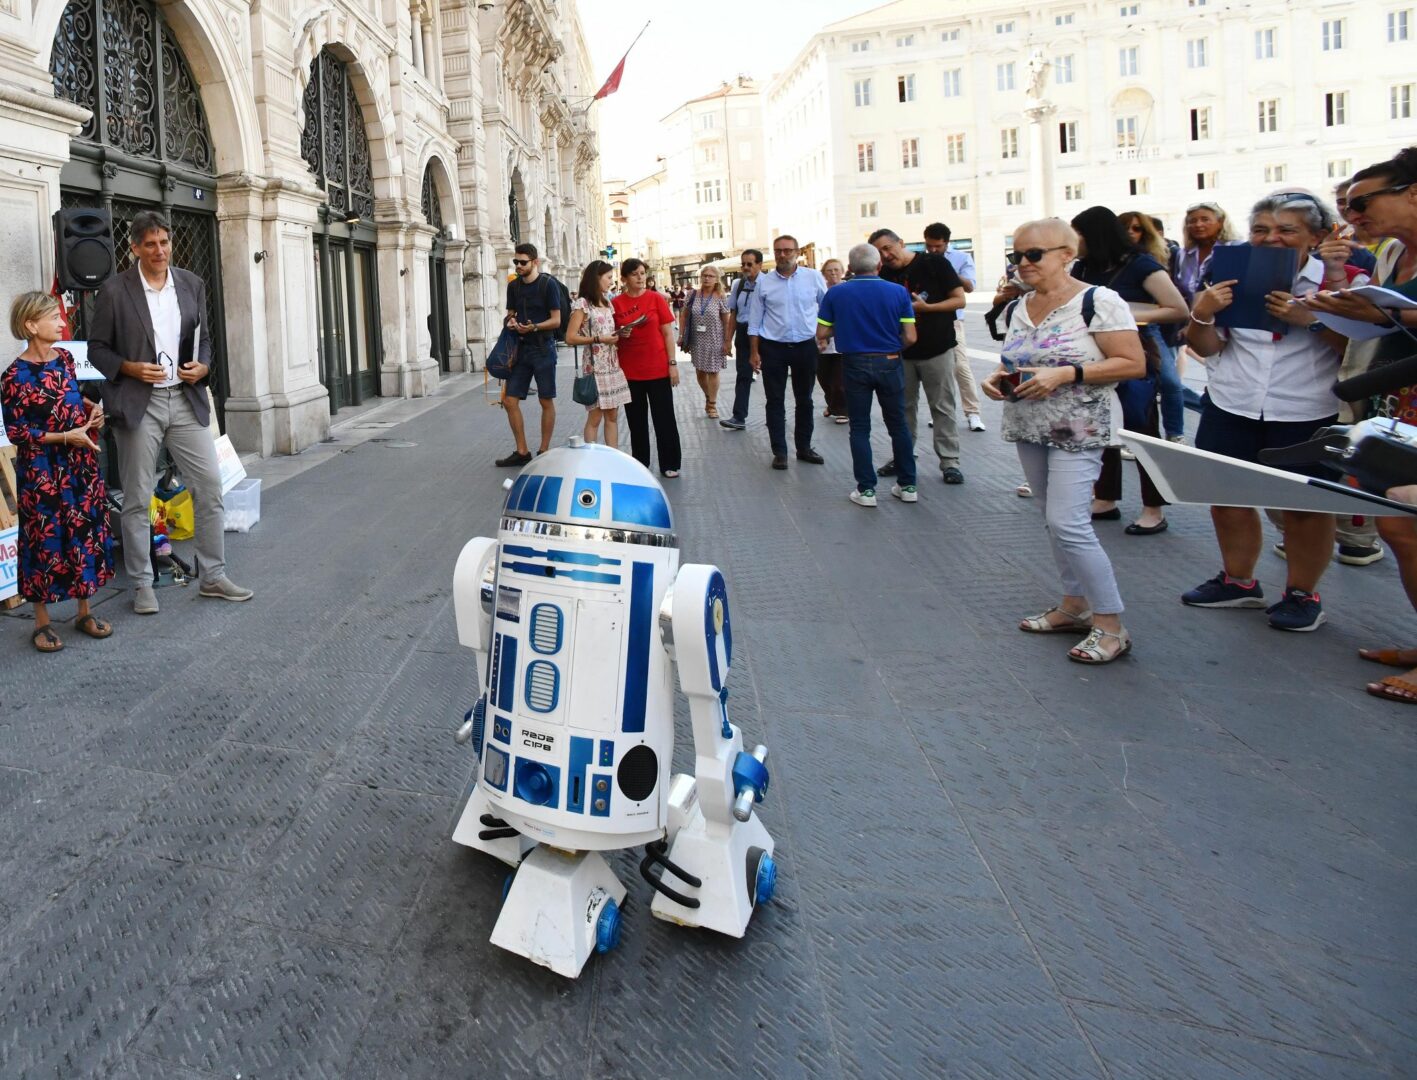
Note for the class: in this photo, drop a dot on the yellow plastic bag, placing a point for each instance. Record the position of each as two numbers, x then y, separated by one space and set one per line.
176 515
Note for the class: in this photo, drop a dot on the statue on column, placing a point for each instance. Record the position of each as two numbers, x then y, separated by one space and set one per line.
1037 76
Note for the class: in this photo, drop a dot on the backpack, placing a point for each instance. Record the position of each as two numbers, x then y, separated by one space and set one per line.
563 301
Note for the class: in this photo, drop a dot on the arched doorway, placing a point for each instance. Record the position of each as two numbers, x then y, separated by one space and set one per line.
146 146
437 274
335 145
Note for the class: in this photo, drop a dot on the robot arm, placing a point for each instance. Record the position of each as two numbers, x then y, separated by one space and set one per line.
474 600
700 640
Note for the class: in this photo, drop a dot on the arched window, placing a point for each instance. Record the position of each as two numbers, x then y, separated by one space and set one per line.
333 142
118 59
432 209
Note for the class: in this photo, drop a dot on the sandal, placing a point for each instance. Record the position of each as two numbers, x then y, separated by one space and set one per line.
712 409
1091 652
93 626
46 640
1080 623
1395 688
1403 658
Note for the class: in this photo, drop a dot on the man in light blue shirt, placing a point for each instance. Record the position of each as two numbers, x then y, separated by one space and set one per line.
937 242
782 337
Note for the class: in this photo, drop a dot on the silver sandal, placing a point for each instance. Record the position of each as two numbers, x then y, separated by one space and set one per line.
1080 623
1089 651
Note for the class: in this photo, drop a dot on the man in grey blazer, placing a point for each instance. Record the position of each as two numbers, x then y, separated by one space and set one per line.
149 341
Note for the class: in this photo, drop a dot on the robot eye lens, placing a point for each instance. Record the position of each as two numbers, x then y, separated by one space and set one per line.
587 498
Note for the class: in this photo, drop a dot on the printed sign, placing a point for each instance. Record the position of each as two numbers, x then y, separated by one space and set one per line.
229 464
9 562
79 350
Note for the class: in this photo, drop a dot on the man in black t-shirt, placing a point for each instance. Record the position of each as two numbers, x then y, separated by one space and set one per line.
930 363
534 312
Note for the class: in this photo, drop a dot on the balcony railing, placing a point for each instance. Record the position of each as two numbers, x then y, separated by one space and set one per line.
1137 153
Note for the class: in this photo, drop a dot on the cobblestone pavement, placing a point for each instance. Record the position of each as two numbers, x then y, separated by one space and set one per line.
226 828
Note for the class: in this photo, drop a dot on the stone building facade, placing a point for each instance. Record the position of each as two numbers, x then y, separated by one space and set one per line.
348 177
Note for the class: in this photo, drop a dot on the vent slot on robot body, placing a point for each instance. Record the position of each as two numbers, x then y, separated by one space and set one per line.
543 686
546 628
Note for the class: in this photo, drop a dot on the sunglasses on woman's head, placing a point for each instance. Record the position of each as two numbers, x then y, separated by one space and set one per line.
1358 204
1032 255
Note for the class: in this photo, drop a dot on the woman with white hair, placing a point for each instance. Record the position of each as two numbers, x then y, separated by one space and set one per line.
1268 391
1067 346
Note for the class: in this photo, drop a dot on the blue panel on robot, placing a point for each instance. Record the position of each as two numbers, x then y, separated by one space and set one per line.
543 686
600 795
607 753
582 750
529 493
636 504
585 500
515 494
546 626
537 783
502 729
637 659
550 495
507 675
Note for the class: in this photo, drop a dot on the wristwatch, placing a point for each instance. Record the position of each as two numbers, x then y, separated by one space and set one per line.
1077 373
674 363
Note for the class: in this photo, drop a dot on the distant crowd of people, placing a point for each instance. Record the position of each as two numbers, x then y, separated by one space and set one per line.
1097 316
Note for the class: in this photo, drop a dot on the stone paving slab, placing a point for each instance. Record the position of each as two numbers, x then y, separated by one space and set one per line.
227 826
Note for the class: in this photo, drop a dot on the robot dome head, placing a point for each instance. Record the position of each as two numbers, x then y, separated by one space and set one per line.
590 485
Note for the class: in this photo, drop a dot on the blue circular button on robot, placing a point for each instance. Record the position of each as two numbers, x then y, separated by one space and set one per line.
534 783
767 879
607 927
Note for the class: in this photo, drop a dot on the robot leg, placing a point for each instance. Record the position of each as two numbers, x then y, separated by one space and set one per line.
561 907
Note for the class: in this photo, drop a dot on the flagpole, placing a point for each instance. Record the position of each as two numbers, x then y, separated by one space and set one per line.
596 96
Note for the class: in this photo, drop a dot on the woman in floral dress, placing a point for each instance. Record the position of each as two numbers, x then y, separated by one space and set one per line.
66 550
593 326
704 334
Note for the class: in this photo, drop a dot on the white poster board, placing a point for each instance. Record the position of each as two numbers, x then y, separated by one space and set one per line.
228 464
9 561
79 350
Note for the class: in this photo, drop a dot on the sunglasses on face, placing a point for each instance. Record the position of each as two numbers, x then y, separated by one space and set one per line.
521 262
1032 255
1358 204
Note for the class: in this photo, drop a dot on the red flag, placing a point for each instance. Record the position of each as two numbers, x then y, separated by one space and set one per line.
613 83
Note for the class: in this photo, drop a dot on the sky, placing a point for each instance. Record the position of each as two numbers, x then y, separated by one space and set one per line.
688 50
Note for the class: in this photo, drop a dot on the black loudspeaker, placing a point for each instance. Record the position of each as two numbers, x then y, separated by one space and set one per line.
83 248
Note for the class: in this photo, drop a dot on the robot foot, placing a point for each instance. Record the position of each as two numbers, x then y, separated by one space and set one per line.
713 880
477 826
559 909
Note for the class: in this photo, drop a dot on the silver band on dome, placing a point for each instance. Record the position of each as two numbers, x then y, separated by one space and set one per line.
594 533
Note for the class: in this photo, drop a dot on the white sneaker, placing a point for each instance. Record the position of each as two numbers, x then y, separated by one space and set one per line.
1176 439
1023 491
975 422
905 494
863 498
1127 455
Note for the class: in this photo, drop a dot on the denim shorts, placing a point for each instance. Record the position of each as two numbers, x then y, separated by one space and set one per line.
1243 438
535 360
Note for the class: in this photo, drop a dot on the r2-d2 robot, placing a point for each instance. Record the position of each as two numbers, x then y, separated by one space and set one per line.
577 613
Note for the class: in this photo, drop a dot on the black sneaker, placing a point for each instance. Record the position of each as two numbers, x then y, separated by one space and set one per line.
1224 592
811 457
1350 555
515 460
952 475
732 424
1299 611
888 469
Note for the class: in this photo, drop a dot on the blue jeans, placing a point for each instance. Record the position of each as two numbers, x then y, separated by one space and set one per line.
743 386
1168 378
864 374
799 360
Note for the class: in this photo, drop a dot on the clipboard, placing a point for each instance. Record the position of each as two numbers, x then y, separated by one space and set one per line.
1257 272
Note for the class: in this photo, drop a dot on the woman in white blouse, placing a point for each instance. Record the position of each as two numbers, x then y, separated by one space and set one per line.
1267 391
1067 346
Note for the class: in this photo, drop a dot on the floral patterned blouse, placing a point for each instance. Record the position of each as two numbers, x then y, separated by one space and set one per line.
1075 416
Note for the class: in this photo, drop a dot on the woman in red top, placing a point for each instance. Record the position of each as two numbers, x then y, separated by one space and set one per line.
647 358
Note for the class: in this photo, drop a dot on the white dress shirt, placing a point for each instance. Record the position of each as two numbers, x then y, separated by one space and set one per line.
1289 380
166 315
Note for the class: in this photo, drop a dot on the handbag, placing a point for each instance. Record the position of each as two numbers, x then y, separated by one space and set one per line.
584 391
503 356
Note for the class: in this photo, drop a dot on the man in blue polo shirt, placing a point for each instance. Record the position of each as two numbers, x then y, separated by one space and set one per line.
872 320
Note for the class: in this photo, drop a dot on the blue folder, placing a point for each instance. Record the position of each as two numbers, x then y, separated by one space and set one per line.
1257 271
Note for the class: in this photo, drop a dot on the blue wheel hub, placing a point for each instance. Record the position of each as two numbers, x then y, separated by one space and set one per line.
766 882
607 927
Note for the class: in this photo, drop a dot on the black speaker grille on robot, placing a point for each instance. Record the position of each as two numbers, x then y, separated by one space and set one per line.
638 773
